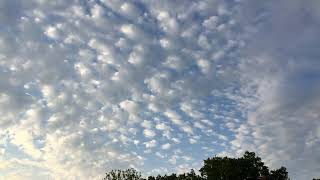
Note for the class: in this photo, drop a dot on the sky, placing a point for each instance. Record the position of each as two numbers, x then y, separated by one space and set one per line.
87 86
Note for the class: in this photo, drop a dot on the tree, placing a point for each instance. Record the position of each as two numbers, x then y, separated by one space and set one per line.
129 174
185 176
252 166
151 178
247 167
218 168
189 176
279 174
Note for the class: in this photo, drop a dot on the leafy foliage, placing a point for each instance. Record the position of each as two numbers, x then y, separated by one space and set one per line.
129 174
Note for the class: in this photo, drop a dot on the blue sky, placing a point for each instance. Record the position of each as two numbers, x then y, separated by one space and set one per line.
92 85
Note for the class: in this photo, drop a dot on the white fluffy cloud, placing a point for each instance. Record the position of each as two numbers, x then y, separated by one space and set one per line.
89 84
149 133
151 144
166 146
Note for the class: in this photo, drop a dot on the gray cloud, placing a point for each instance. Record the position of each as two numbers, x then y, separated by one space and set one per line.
281 67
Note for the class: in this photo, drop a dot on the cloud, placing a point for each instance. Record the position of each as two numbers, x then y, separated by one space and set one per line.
281 70
149 133
192 141
52 32
130 10
166 146
174 117
147 124
151 144
211 22
162 126
86 85
129 106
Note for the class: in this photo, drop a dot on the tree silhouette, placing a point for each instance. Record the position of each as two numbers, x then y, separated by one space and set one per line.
279 174
247 167
231 168
129 174
185 176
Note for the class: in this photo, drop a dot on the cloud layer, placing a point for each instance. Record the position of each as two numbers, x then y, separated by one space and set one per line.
88 86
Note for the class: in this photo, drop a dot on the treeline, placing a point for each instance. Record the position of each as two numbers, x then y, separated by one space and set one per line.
247 167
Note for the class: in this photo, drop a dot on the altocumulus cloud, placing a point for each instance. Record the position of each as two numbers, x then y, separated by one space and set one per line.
88 86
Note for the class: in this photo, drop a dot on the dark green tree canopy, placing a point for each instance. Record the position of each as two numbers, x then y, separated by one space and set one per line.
247 167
